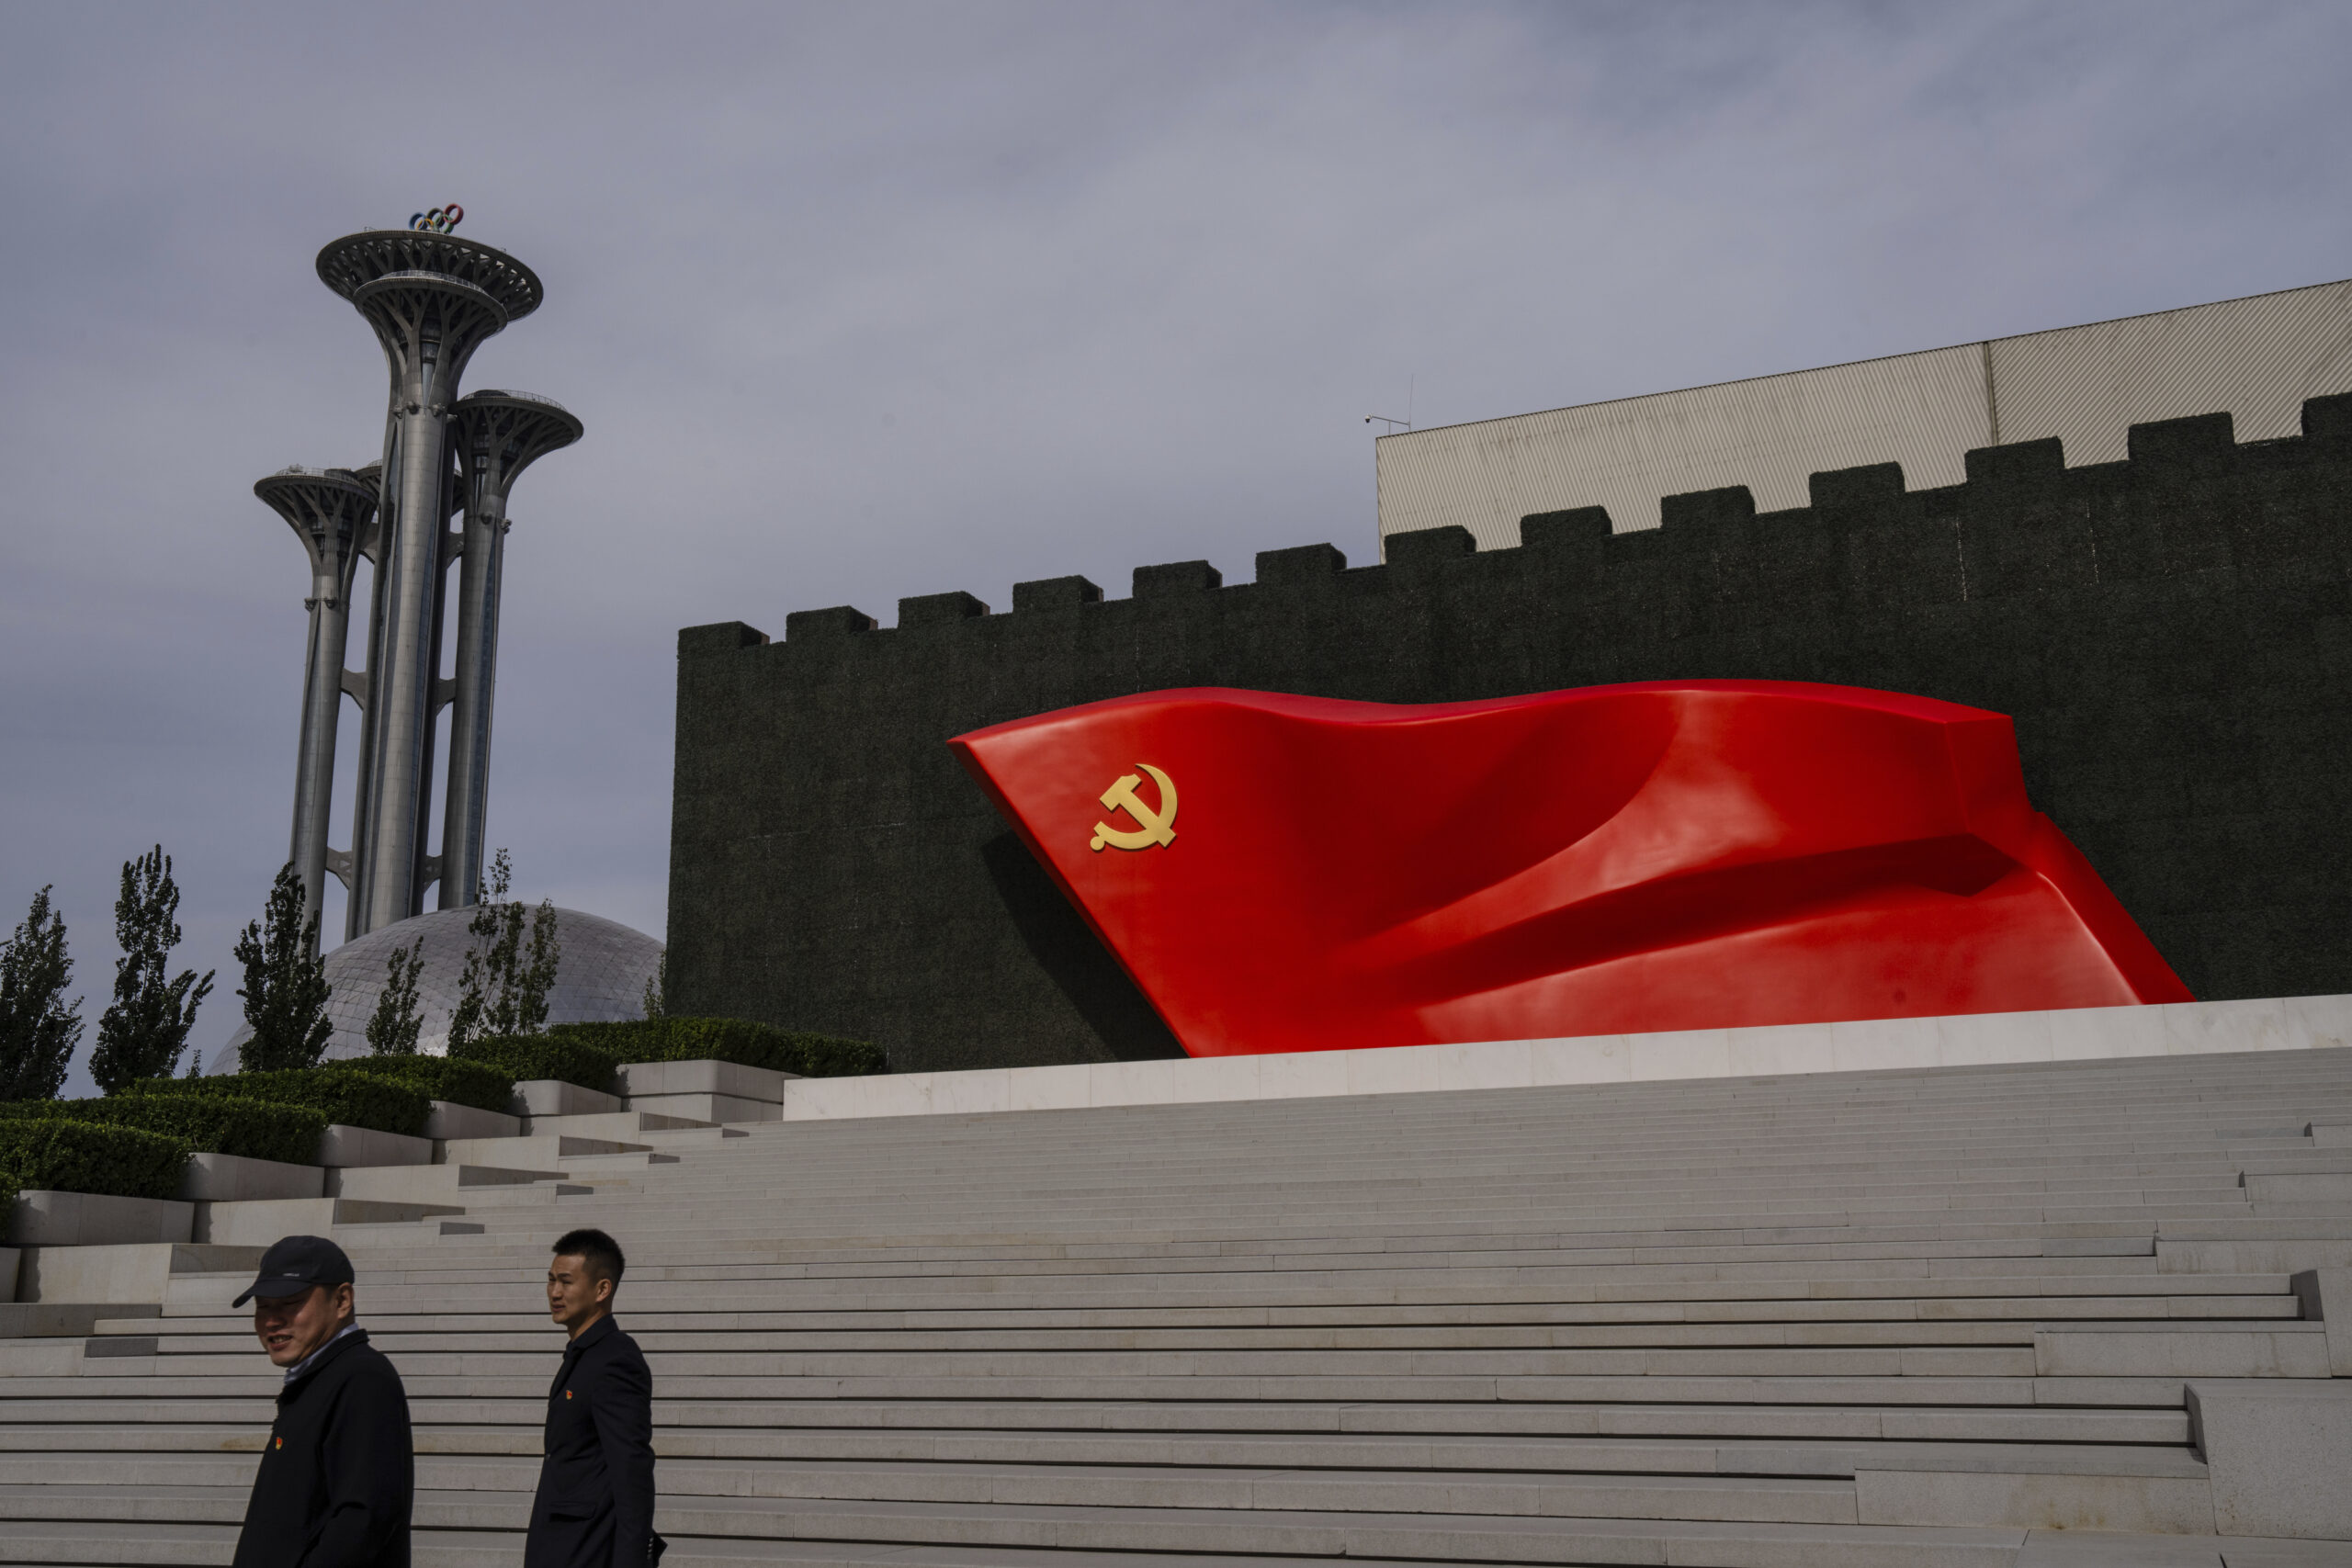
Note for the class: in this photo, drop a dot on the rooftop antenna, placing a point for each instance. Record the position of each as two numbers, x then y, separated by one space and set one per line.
1393 424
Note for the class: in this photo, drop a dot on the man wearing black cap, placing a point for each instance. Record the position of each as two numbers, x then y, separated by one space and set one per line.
337 1475
595 1505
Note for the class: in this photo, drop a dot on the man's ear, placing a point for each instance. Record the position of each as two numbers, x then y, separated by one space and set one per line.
606 1286
347 1301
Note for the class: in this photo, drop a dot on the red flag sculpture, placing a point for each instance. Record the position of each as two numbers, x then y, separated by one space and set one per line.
1295 874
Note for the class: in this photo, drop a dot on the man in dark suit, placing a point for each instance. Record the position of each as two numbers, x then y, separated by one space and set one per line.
595 1505
337 1475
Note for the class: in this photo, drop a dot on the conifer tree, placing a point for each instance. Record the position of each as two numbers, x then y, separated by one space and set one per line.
38 1029
285 986
504 987
657 987
141 1033
393 1027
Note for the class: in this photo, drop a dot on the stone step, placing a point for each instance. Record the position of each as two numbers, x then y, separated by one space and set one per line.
394 1336
680 1419
2181 1349
430 1183
627 1125
538 1151
516 1311
1036 1527
860 1536
199 1376
459 1549
1784 1499
1505 1326
1943 1362
602 1169
66 1454
261 1222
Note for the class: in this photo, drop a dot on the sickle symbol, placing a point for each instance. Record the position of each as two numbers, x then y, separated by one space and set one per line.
1157 825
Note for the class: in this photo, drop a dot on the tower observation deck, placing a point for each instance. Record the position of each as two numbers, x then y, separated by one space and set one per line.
432 299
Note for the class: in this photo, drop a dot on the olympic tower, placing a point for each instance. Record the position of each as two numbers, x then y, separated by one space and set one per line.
432 299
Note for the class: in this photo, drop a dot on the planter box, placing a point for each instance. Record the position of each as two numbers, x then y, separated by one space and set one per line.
341 1145
139 1273
553 1097
230 1177
92 1219
640 1079
449 1120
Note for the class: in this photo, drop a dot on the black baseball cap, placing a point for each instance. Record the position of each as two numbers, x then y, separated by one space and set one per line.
295 1264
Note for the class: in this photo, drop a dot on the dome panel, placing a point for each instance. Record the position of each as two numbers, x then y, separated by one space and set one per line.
600 977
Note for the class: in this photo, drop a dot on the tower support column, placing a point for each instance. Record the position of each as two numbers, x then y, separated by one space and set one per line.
432 299
403 667
330 511
498 435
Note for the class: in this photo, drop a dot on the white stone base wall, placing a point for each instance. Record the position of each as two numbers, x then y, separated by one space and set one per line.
93 1219
1879 1044
235 1178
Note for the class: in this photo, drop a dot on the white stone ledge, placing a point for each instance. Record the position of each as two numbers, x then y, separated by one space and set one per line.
448 1120
640 1080
553 1097
230 1177
341 1145
2172 1029
95 1219
128 1272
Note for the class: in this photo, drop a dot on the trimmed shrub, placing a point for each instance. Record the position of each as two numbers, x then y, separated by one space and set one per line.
41 1153
524 1056
355 1099
736 1040
206 1124
459 1082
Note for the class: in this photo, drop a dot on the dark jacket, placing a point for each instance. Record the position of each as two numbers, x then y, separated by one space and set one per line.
594 1506
338 1475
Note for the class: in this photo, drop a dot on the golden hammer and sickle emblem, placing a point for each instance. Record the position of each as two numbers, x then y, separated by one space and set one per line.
1157 825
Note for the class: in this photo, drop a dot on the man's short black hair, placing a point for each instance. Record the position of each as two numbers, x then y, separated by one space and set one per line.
599 1251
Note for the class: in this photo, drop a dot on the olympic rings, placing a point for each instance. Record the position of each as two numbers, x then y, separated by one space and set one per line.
440 221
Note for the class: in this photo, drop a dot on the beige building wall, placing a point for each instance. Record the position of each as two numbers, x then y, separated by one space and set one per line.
2257 357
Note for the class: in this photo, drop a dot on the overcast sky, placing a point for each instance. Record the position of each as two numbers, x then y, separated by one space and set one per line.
862 302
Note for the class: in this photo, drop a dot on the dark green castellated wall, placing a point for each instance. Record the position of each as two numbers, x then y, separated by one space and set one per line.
2170 633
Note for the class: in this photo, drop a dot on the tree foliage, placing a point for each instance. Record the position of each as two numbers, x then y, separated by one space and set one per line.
142 1032
393 1027
657 987
38 1029
285 986
504 987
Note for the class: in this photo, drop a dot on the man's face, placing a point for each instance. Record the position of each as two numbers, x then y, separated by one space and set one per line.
291 1327
575 1296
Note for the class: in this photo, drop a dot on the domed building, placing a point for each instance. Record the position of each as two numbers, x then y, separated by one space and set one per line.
601 976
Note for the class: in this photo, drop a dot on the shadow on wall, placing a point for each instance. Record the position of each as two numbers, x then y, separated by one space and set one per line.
1071 955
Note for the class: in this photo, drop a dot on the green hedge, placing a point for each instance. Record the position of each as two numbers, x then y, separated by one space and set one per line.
476 1084
40 1153
206 1124
736 1040
523 1056
355 1099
